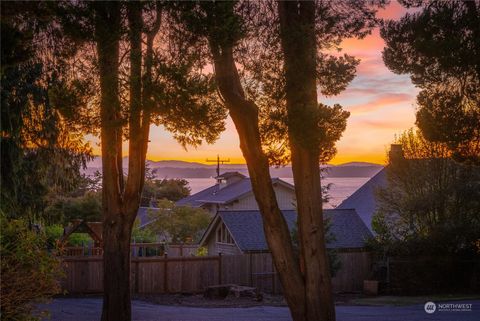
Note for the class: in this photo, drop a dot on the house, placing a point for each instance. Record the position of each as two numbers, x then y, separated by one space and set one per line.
233 192
364 200
240 232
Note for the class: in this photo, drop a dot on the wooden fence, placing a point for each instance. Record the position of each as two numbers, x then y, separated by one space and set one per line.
137 249
156 275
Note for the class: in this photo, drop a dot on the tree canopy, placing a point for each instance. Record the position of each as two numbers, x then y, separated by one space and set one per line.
157 189
178 224
430 204
42 150
439 47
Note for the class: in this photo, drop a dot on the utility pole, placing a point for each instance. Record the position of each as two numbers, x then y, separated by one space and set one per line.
218 161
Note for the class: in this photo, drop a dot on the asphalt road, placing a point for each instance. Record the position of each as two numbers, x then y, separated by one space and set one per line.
88 309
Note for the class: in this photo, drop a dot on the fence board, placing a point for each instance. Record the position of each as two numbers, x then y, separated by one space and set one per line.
150 275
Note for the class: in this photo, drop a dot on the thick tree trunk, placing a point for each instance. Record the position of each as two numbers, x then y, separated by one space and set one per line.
245 117
120 201
297 25
116 260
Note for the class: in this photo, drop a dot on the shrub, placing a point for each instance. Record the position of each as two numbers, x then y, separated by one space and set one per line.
79 239
202 251
53 233
29 273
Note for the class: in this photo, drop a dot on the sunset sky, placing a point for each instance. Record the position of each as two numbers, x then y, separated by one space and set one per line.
381 104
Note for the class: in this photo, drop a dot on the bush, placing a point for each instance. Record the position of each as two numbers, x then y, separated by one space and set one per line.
53 233
202 251
142 235
79 239
29 273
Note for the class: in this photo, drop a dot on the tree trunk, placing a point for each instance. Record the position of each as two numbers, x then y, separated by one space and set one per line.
116 260
245 117
244 114
120 201
297 25
116 257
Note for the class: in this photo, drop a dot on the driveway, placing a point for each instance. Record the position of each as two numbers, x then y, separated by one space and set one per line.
88 309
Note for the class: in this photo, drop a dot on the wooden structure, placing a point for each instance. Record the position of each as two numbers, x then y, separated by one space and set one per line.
156 275
94 229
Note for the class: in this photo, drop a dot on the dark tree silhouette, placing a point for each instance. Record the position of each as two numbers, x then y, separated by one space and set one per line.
439 47
270 115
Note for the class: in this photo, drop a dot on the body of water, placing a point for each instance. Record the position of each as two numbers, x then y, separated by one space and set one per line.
340 188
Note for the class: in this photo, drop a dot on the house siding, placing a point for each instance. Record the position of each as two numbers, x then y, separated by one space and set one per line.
285 199
215 247
227 249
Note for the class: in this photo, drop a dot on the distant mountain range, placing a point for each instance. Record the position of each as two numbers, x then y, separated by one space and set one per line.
182 169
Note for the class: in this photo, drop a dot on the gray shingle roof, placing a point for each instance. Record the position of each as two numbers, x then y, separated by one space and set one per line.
246 227
363 200
224 195
227 175
193 200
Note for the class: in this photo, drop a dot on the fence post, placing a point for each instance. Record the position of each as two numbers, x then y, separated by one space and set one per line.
165 275
250 268
388 271
220 268
273 275
137 278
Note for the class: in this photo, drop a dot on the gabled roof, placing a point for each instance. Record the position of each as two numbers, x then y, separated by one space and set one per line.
246 228
228 175
94 229
227 194
363 200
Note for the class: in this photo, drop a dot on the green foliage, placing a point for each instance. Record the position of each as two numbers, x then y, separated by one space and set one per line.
41 150
29 273
143 235
431 203
438 47
52 234
171 189
64 209
333 260
202 251
180 224
79 239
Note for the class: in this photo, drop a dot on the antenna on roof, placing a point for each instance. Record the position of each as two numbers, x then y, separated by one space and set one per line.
218 161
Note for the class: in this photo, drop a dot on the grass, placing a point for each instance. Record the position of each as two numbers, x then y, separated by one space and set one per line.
409 300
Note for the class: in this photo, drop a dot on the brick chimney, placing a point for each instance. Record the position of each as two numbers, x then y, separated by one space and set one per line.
396 152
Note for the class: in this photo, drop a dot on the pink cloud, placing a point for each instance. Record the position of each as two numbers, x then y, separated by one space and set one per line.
384 124
380 102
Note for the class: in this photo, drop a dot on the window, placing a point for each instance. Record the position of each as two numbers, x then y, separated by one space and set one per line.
223 236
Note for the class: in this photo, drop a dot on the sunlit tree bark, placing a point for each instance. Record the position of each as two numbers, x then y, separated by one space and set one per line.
297 22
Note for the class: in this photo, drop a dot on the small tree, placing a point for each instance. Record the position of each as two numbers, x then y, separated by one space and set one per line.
171 189
179 224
